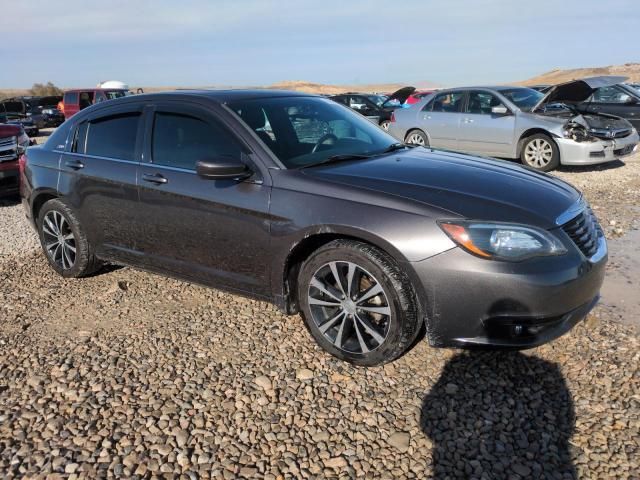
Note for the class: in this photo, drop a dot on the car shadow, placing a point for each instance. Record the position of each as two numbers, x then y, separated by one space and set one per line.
9 200
592 168
499 415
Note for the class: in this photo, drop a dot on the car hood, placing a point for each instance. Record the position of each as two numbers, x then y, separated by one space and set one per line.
460 185
577 91
9 131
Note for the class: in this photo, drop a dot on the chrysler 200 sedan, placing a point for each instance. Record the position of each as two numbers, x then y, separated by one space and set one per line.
543 130
300 201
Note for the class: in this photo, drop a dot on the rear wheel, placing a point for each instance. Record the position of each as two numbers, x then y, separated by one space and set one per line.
384 125
417 137
540 152
357 304
64 242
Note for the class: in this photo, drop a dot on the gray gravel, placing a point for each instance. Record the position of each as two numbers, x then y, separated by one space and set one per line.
132 375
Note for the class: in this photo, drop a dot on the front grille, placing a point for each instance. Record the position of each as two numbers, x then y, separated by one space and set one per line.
608 134
8 149
585 231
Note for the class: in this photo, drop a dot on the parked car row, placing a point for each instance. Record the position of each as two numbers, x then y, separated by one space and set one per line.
566 125
376 108
42 111
297 200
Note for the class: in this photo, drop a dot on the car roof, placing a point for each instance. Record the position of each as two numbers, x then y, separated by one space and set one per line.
220 96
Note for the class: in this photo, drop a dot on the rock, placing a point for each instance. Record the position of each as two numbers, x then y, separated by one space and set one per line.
400 441
304 374
451 389
335 462
264 382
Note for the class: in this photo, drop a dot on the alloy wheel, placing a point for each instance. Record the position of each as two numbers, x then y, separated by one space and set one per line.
416 139
349 307
538 153
59 241
385 126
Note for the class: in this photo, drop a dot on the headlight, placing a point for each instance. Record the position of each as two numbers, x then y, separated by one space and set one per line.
503 241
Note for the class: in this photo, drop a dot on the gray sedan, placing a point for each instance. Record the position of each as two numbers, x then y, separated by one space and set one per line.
543 130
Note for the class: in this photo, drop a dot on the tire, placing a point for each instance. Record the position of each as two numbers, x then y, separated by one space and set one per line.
417 137
56 216
371 331
540 152
384 125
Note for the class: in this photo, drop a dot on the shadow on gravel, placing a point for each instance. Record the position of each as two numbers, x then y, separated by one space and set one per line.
499 415
592 168
9 200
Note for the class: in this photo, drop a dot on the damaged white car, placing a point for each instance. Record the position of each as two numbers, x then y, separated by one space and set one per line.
543 130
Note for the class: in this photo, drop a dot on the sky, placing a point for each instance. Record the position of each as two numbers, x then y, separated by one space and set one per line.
77 43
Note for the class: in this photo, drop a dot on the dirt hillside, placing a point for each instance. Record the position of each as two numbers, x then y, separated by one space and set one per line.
631 70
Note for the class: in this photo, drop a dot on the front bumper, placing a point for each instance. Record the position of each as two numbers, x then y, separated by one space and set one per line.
600 151
469 301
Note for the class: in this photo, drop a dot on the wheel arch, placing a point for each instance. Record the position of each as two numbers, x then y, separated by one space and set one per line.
303 248
39 200
529 133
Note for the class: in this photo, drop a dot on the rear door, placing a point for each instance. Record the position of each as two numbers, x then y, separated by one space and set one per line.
441 119
98 177
483 132
615 100
212 231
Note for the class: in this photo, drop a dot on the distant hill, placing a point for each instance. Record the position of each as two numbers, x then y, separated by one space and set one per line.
631 70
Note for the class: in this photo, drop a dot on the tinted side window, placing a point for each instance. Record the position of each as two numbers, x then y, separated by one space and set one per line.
113 136
182 140
80 138
482 102
610 95
445 102
71 98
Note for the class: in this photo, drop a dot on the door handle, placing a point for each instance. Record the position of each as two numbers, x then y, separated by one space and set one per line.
427 117
155 178
468 120
74 164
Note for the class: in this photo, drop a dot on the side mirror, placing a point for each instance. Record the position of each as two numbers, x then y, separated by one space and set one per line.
632 100
222 168
499 110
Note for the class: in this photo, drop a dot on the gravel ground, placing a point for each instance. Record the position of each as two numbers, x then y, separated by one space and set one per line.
132 375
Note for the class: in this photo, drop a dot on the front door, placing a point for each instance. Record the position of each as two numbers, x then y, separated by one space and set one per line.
483 132
212 231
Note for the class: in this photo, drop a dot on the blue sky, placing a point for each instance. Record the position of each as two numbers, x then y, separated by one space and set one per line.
247 42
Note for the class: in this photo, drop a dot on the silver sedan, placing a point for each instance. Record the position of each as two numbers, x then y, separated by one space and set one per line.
542 130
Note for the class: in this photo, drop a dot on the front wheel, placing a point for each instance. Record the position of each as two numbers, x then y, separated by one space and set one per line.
540 152
417 137
357 304
384 125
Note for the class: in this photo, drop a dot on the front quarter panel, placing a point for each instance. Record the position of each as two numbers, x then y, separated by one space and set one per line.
405 230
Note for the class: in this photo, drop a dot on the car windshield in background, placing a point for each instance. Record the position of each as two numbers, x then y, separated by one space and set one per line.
378 99
111 94
523 98
304 131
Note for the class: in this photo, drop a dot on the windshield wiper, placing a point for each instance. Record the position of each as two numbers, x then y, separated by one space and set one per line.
338 158
398 146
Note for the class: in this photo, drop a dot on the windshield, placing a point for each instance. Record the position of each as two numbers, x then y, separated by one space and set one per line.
303 131
523 98
378 99
111 94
